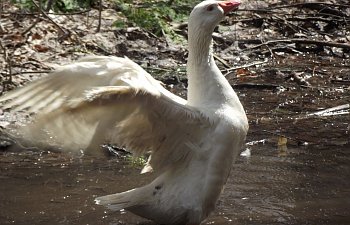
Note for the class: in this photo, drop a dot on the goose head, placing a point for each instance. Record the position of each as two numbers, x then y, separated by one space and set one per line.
202 21
207 14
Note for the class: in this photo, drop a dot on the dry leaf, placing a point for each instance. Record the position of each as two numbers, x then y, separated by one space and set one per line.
14 40
36 36
41 48
242 72
282 141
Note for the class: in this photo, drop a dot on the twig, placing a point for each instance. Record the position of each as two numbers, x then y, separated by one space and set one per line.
313 18
159 69
222 61
340 81
310 5
300 17
25 72
48 13
304 41
165 37
256 86
95 45
290 25
256 10
99 16
228 71
341 109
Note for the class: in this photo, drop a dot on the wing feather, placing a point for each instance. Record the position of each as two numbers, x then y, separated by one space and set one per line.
102 99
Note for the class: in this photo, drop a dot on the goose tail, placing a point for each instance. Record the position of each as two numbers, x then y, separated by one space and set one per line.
118 201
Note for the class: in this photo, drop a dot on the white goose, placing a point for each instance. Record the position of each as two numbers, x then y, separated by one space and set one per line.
193 143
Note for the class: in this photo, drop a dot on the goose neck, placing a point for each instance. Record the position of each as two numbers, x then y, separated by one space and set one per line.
200 50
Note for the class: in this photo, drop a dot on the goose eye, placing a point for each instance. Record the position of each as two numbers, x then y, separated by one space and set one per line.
210 8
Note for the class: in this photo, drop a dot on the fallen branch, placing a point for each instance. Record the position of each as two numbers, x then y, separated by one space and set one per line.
228 71
222 61
25 72
289 24
337 110
48 13
340 81
256 86
99 16
313 18
310 5
302 41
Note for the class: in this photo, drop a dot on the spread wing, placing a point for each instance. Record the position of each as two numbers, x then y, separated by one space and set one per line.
82 105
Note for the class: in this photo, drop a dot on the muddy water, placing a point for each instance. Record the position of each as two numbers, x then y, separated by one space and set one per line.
297 185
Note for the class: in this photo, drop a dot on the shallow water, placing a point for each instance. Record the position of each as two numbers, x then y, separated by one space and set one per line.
296 185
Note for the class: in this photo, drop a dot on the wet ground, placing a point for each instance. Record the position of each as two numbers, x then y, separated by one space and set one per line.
294 185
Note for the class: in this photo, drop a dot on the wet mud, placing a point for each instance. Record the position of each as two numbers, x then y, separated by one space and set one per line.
294 185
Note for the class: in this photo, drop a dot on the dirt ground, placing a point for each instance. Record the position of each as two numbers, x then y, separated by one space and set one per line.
289 62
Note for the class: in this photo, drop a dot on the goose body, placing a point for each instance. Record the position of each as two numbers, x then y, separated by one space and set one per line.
193 142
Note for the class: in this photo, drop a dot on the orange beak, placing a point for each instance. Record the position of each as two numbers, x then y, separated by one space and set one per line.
229 6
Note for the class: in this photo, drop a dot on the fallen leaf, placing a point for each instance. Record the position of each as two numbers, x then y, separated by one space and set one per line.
36 36
242 72
41 48
282 141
